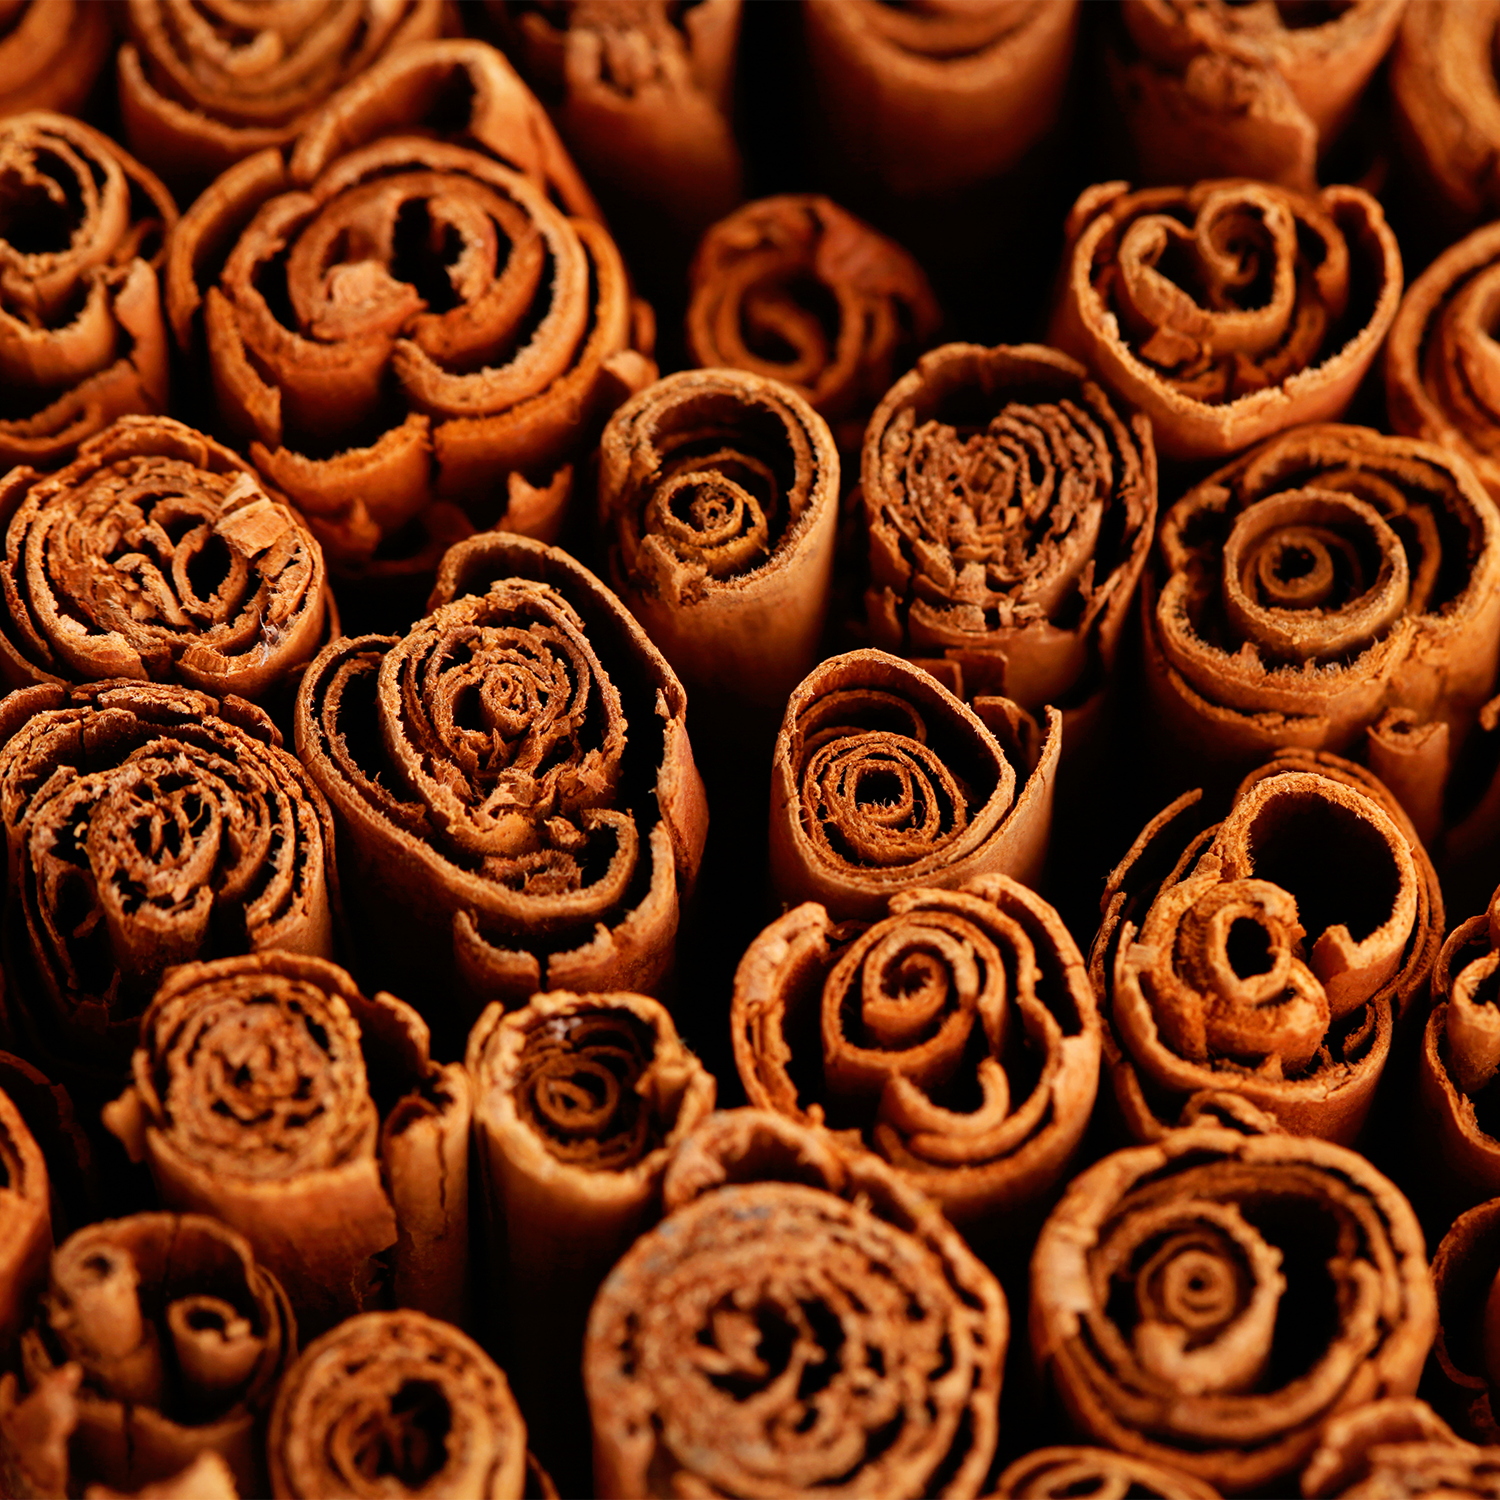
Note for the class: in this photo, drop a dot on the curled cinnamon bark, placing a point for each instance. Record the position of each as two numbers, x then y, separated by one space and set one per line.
1459 1059
1398 1447
204 85
51 51
25 1211
1062 1473
578 1102
1439 381
643 94
718 491
1219 90
156 554
929 99
796 289
959 1039
1266 955
516 795
1467 1353
82 340
396 1403
883 780
1010 510
825 1332
1332 584
269 1092
1163 1289
413 340
1447 104
1228 310
145 825
159 1338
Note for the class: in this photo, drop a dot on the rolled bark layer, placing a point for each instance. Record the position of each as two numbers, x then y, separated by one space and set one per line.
1062 1473
795 289
391 1404
579 1102
145 825
1332 584
1228 310
1440 358
51 51
160 1338
643 93
156 554
1459 1059
883 781
82 339
1219 90
1465 1271
25 1211
932 99
776 1338
255 1099
411 338
1010 509
1163 1291
204 85
719 493
1267 955
517 801
1398 1446
1447 104
960 1040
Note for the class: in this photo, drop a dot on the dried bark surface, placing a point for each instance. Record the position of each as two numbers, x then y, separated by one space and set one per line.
51 51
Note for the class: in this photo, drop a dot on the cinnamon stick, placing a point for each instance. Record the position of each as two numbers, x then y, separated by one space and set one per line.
82 339
1398 1445
883 780
718 494
761 286
51 51
1010 509
775 1337
1228 310
269 1092
156 554
145 825
160 1338
1266 955
1055 1473
1162 1289
959 1040
531 849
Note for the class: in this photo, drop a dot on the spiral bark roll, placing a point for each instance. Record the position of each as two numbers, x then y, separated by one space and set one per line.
1228 310
51 51
82 339
447 344
254 1100
778 1337
933 100
960 1040
512 780
1467 1353
794 289
1267 955
1333 583
718 492
391 1404
883 780
1010 510
579 1101
644 96
156 554
1162 1290
1214 90
1061 1473
146 825
159 1338
203 86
